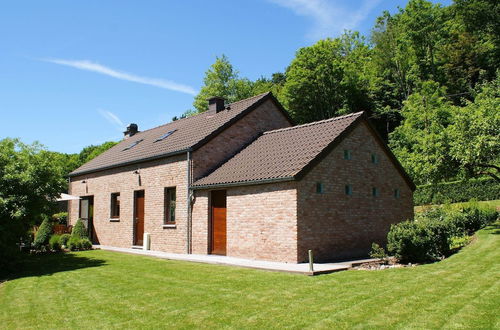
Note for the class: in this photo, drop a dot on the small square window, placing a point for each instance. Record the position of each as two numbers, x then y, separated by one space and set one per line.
115 205
170 198
374 158
375 192
320 188
347 154
397 193
348 189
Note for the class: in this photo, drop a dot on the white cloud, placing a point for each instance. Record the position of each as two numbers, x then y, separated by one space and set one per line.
96 67
112 119
329 17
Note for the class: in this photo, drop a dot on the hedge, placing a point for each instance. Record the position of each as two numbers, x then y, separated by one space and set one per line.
457 191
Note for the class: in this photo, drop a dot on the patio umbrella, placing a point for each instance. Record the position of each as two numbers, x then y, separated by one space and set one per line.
66 197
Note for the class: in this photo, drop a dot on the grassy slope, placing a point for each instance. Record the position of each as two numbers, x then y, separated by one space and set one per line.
494 203
98 289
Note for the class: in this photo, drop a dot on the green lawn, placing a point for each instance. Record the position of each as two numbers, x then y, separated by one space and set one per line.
99 289
494 203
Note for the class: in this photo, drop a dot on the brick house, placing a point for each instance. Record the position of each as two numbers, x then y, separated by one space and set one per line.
241 180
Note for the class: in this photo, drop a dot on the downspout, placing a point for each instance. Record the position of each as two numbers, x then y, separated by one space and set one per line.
189 192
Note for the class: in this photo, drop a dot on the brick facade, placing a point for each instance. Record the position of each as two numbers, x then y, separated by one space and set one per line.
335 225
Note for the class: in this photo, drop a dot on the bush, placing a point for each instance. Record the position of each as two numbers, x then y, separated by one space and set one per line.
55 243
64 240
61 218
74 243
436 232
378 252
86 244
43 234
79 230
458 242
457 191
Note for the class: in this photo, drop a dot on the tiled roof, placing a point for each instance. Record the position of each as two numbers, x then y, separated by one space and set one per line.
280 154
189 132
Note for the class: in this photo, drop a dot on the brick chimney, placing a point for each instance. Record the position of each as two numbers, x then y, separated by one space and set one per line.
132 129
215 104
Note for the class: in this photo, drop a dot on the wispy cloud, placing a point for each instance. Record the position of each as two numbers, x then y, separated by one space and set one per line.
329 17
112 119
98 68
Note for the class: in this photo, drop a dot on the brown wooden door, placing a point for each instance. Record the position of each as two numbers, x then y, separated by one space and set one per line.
138 217
218 208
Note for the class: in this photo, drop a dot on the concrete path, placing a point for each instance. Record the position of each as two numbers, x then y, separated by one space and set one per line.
302 268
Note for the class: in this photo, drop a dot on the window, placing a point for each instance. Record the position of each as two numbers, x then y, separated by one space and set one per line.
320 189
347 154
397 193
169 206
375 192
133 145
166 135
348 189
115 205
374 158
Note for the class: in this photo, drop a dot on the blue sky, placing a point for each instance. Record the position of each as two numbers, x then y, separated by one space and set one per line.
75 73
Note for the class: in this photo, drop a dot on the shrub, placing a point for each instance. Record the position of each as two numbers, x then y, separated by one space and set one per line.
378 252
61 218
457 191
74 243
458 242
86 244
79 230
55 243
43 234
64 239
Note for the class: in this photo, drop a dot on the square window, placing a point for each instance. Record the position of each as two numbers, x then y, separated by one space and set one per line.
170 197
348 189
347 154
375 192
320 188
115 205
397 193
374 158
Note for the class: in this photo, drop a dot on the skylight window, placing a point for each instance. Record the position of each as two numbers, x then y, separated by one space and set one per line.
166 135
133 145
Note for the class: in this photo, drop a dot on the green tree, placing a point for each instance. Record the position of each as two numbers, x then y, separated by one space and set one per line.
222 80
421 142
92 151
328 78
30 180
475 133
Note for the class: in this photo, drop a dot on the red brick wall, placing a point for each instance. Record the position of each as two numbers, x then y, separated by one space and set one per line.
337 226
261 222
155 176
264 118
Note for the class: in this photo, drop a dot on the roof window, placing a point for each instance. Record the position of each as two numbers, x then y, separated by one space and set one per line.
166 135
133 144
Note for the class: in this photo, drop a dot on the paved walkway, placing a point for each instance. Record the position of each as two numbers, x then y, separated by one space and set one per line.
302 268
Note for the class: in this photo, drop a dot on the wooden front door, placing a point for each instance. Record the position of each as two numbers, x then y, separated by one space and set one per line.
218 222
138 217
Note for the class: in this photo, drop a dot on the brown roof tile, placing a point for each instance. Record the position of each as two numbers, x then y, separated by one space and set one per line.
280 154
189 133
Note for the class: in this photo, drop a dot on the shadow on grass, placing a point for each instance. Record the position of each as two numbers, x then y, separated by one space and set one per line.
48 264
493 228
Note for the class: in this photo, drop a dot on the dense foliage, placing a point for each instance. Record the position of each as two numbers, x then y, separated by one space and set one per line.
43 234
79 230
55 242
436 231
457 191
30 180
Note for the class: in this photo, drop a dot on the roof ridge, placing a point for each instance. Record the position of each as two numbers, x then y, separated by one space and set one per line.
203 113
315 122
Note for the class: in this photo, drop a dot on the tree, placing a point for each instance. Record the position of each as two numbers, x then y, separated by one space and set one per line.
92 151
328 78
222 80
475 142
421 142
30 180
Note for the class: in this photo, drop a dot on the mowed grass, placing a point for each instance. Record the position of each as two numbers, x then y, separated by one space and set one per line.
99 289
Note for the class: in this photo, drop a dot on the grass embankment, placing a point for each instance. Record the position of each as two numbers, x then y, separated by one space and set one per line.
99 289
493 203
